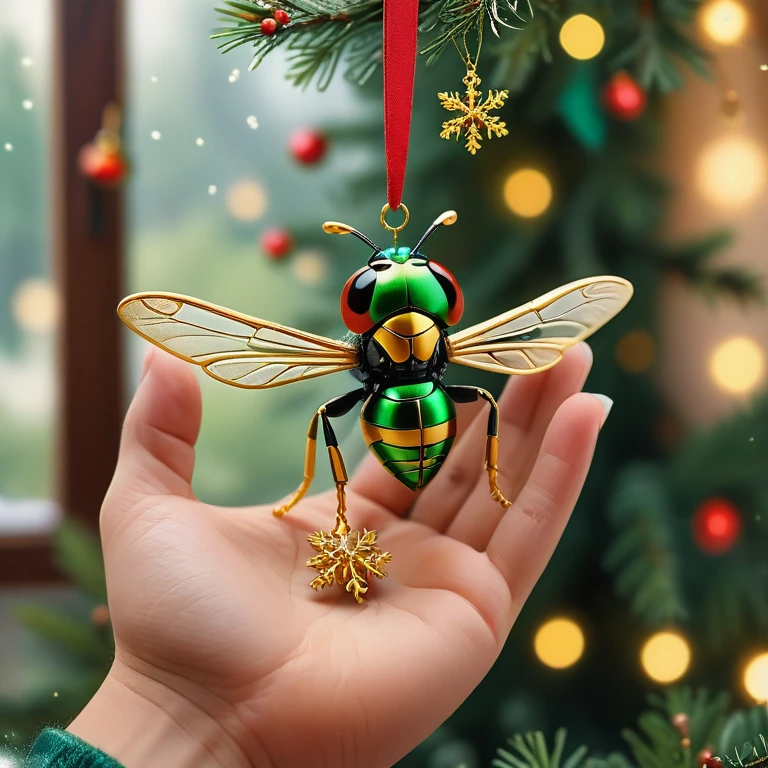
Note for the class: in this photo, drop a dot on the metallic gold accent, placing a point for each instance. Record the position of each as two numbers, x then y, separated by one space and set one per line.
408 438
337 228
447 219
474 112
491 451
409 324
337 465
533 337
347 559
309 468
423 345
394 230
232 347
396 347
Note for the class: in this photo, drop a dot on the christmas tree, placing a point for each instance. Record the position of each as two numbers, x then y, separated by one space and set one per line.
659 578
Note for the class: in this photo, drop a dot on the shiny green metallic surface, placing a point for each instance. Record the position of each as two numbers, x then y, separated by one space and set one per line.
413 407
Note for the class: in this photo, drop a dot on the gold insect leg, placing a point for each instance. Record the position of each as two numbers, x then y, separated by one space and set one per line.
492 449
464 394
309 467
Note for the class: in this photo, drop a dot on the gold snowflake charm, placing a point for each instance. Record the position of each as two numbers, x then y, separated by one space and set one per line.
474 117
347 557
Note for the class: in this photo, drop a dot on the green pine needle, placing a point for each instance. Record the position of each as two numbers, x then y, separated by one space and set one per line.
532 752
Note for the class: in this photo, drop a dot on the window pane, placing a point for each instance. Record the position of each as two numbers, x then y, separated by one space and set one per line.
212 171
28 301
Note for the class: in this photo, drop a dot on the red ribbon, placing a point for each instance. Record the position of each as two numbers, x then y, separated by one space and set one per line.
401 23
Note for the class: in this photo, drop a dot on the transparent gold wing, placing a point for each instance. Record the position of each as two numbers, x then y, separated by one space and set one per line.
231 347
533 337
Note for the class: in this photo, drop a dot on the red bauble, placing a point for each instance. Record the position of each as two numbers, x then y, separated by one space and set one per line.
276 242
282 18
268 27
713 762
107 169
624 98
704 757
716 526
308 146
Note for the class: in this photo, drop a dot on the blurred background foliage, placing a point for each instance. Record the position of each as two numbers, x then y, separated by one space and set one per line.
668 541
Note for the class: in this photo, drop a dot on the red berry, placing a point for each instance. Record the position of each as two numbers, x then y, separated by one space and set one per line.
308 146
105 168
282 18
268 27
716 526
276 242
624 98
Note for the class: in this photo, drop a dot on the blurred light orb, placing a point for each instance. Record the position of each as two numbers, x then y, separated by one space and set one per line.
252 121
559 643
737 365
26 61
582 37
731 172
310 267
35 306
756 678
153 79
212 189
27 104
528 193
246 200
8 146
156 135
764 67
635 351
665 657
200 142
724 21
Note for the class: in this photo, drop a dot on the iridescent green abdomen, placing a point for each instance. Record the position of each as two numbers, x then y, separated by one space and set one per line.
410 429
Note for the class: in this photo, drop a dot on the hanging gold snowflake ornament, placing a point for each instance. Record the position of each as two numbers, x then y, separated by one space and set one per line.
474 117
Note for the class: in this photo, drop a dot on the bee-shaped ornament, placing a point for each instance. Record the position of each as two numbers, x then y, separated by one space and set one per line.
400 307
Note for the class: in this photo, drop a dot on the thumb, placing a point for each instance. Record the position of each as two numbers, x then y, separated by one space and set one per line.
157 453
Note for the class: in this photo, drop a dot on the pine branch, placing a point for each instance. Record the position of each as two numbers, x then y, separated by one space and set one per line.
642 556
531 751
740 728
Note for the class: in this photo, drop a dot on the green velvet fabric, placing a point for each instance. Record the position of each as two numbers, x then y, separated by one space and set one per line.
59 749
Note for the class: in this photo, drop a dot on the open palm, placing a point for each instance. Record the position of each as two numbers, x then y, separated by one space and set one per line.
216 627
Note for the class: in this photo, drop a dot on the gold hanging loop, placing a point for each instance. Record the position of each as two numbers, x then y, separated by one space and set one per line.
394 230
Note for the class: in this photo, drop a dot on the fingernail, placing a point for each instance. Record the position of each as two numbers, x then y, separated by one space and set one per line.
147 362
607 404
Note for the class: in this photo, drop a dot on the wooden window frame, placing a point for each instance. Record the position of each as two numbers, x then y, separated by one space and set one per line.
88 266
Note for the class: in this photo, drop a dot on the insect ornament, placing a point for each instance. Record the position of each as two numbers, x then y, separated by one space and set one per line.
398 307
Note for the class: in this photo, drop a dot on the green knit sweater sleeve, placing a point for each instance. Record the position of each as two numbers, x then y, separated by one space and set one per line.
60 749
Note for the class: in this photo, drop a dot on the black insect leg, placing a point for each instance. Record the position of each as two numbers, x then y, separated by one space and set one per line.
465 394
339 406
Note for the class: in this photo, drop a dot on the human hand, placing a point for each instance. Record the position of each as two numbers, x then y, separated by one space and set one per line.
224 655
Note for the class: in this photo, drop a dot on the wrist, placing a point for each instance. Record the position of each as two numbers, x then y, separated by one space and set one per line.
144 724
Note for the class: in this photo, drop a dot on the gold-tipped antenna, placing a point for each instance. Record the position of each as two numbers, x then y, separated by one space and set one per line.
444 219
337 228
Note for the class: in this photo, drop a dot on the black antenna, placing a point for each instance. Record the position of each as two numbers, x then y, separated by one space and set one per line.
337 228
448 218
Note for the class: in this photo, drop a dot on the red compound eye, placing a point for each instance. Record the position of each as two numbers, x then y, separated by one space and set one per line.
452 289
356 300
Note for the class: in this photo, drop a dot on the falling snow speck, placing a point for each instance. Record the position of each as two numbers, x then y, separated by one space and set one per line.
234 76
153 79
26 61
212 189
27 104
156 135
8 147
199 142
253 123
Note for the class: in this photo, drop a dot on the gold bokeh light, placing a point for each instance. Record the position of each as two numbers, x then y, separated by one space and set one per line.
582 37
559 643
724 21
737 365
665 657
35 306
246 200
528 193
731 172
756 678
